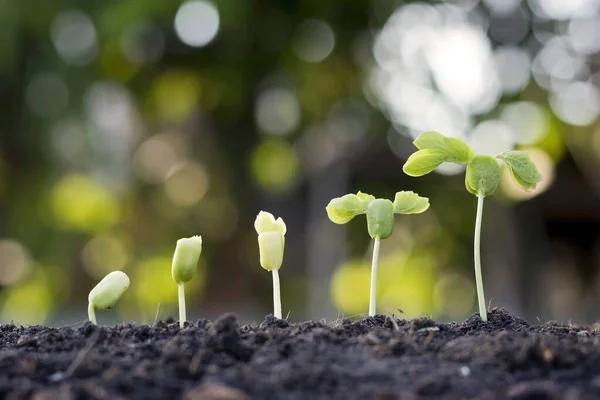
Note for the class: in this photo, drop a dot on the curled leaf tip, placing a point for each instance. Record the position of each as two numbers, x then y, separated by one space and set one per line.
409 202
423 162
342 209
265 221
271 240
522 169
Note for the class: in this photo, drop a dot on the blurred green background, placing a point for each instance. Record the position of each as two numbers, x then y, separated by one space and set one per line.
127 124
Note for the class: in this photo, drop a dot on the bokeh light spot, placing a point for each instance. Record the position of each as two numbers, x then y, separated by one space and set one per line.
187 185
155 158
275 166
277 111
78 202
197 23
314 41
513 66
74 37
29 302
491 137
14 262
527 121
175 94
102 255
350 287
576 103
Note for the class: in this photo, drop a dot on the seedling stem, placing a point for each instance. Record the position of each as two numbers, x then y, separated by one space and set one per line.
477 256
181 298
276 294
373 294
92 313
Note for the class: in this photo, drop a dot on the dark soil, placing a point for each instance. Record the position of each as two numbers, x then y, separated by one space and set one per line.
375 358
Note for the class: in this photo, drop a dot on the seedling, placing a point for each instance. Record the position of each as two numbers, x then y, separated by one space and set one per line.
106 293
183 269
380 220
481 179
271 243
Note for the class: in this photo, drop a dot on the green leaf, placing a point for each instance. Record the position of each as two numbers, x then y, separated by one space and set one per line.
380 218
342 209
423 162
365 198
406 202
483 175
456 150
522 169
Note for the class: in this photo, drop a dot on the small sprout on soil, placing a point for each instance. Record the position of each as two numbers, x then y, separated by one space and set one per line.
106 293
183 269
380 220
271 244
481 179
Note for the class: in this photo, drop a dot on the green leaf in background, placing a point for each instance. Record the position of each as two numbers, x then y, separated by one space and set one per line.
522 169
456 150
407 202
342 209
380 218
483 175
423 162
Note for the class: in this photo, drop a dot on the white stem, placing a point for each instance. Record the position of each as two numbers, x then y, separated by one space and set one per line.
92 313
276 295
373 294
477 254
181 295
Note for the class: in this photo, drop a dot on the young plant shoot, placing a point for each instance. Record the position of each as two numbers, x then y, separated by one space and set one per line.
380 220
183 269
271 243
481 179
106 293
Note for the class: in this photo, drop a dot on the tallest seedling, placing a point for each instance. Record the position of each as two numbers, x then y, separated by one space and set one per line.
481 179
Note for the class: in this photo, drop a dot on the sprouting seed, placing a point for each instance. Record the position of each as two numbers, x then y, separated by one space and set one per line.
481 179
380 220
183 269
271 245
106 293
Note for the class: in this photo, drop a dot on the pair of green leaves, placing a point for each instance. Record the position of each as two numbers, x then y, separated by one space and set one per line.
380 212
483 172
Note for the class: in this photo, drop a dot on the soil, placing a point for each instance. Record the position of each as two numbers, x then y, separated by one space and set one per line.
378 357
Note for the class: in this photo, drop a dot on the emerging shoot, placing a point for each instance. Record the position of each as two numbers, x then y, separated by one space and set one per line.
271 243
380 220
481 179
183 269
106 293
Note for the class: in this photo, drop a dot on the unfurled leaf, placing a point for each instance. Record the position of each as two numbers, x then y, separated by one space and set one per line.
423 162
456 150
406 202
522 169
365 198
380 218
483 175
342 209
